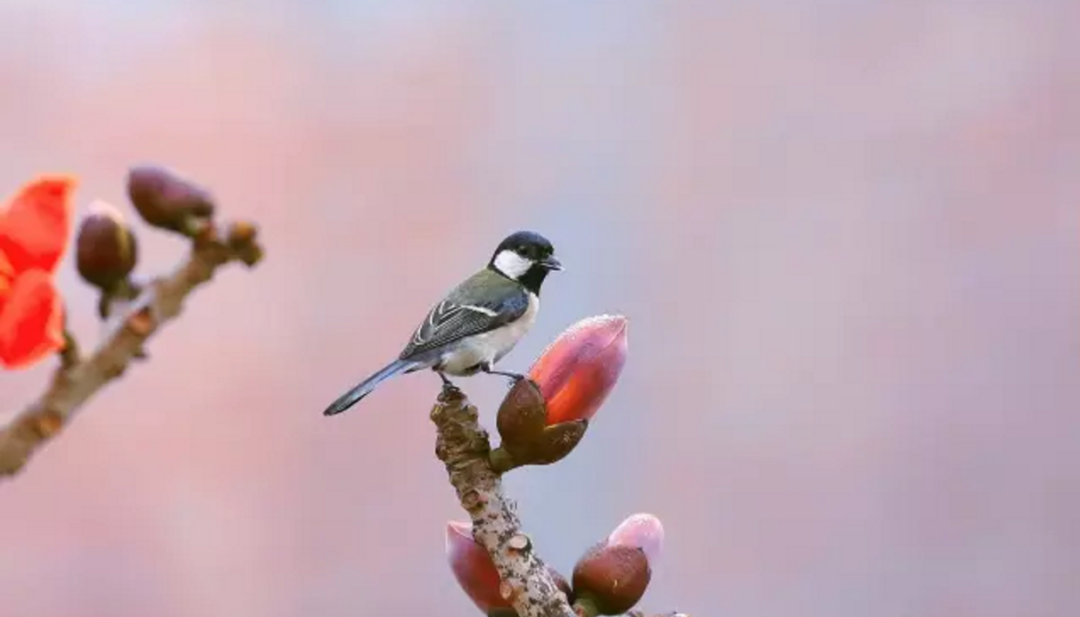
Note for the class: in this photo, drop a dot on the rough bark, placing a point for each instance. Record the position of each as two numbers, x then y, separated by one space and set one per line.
463 447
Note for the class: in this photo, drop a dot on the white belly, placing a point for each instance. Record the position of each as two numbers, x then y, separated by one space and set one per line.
489 347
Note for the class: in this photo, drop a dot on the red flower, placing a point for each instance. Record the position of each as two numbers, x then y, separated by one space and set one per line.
579 369
34 231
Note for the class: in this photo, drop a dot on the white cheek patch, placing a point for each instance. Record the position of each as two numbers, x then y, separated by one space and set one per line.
511 264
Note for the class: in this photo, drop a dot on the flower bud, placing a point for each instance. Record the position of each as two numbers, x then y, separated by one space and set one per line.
476 573
544 417
612 578
106 249
642 531
473 568
614 574
526 437
579 369
166 200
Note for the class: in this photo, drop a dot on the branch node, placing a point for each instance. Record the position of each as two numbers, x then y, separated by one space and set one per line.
240 233
519 542
472 501
141 322
501 460
47 424
203 233
69 354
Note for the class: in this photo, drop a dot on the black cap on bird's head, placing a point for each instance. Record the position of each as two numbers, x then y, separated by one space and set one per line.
526 257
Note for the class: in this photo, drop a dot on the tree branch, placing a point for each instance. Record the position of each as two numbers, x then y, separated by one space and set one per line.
77 379
463 446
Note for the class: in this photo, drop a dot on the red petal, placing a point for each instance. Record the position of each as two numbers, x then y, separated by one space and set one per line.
31 321
473 568
579 370
35 228
7 276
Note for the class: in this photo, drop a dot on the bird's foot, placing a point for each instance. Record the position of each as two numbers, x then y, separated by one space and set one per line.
513 377
447 385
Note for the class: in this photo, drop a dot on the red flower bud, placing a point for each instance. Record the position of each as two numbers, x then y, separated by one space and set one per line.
527 439
105 248
473 568
612 578
166 200
614 574
476 573
578 371
642 531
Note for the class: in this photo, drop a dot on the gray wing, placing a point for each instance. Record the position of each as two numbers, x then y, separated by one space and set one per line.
493 301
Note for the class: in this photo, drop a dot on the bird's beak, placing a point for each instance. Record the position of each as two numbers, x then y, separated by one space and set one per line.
551 263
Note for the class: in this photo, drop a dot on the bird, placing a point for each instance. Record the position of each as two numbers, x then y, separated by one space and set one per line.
477 323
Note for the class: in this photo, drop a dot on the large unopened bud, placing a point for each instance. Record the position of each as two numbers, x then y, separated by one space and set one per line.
544 417
579 369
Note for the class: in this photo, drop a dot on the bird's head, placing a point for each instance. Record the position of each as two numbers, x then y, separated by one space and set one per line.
527 257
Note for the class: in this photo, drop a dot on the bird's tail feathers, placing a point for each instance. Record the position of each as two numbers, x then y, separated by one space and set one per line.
366 387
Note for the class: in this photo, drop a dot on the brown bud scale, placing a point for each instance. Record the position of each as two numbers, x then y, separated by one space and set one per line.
613 577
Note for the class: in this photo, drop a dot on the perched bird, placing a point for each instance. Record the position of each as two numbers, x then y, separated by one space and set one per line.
478 322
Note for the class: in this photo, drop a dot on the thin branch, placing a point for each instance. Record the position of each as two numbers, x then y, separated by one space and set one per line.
77 379
463 447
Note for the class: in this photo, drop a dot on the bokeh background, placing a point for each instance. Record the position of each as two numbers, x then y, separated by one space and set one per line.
845 234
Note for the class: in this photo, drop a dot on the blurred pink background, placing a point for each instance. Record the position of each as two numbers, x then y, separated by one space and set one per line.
845 235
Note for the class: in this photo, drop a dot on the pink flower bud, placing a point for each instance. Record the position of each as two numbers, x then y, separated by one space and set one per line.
579 369
612 578
642 531
613 574
476 573
473 568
